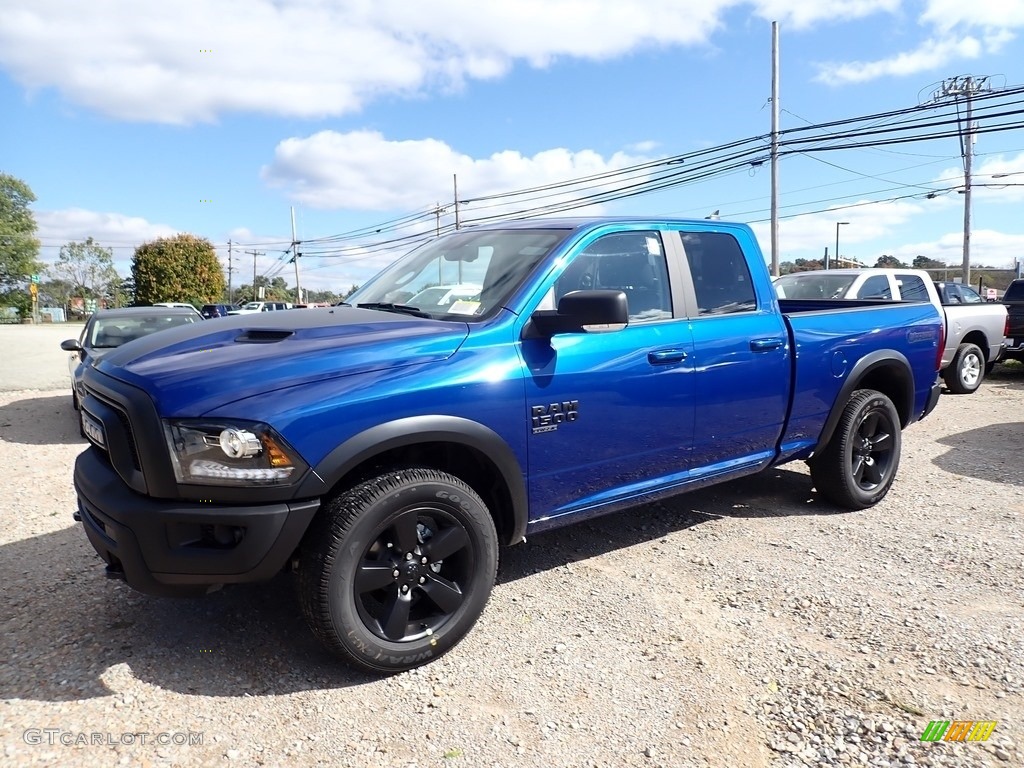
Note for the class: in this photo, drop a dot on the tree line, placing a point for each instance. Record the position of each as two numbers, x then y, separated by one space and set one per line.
181 268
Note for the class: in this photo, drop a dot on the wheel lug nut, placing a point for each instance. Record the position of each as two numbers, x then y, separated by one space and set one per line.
423 579
405 588
423 560
395 573
408 555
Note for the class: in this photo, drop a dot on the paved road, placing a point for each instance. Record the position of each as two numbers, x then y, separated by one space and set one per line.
31 356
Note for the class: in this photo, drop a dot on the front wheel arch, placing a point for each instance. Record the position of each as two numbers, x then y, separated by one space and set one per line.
496 473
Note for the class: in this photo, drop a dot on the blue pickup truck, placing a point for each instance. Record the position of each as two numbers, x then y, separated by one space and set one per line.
384 451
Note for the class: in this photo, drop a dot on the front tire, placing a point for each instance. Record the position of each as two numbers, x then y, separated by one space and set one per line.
394 572
966 370
858 466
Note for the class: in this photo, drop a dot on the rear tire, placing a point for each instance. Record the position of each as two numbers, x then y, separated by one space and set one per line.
966 370
858 466
429 528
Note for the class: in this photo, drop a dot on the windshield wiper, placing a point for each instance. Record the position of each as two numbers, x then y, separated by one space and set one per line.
404 309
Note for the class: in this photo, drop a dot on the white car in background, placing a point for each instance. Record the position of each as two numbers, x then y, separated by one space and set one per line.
260 306
975 330
178 305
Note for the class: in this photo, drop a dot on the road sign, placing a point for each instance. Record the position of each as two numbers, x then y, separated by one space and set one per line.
990 294
35 278
34 289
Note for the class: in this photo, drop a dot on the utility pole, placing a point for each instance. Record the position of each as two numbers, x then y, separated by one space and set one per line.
838 225
231 269
254 254
966 86
455 182
438 210
775 149
295 258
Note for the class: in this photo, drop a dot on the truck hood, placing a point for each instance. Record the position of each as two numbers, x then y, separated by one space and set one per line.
192 369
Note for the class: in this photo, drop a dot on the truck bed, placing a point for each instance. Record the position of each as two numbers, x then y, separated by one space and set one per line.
827 334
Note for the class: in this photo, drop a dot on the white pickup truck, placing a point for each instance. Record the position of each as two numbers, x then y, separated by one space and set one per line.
975 329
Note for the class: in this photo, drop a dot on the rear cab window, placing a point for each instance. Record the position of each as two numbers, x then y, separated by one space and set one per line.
875 287
912 288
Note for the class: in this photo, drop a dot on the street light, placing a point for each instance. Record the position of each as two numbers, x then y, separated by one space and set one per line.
838 225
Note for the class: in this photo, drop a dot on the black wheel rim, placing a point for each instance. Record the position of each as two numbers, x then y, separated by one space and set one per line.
872 454
415 575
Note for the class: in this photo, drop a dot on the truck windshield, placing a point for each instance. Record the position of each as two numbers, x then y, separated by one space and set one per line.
817 286
464 275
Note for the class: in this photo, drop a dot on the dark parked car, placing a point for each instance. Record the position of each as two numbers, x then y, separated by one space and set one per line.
215 310
110 328
1013 299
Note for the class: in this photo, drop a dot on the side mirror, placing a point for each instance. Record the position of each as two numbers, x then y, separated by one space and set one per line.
578 310
71 345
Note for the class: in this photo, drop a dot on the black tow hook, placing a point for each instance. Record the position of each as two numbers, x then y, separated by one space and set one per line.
77 516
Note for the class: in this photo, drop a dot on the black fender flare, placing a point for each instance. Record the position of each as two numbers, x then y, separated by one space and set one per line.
425 429
903 378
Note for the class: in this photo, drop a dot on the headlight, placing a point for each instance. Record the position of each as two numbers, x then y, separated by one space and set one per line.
231 453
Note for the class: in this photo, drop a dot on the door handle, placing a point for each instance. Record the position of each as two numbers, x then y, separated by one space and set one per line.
763 345
663 356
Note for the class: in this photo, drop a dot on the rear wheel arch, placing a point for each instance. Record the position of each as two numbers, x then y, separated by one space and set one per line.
466 449
885 371
978 338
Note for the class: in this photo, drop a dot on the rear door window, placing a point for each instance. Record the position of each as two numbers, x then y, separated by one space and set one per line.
970 295
720 275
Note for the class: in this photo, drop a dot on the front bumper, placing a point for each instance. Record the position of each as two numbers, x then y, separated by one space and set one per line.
178 548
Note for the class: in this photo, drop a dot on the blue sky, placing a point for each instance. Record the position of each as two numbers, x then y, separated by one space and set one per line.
132 119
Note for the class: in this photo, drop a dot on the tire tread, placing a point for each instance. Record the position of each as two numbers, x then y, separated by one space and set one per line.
324 542
828 470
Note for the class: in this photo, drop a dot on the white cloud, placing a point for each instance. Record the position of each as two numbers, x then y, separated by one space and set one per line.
117 231
193 60
959 31
362 170
988 247
993 14
807 236
801 14
997 179
931 54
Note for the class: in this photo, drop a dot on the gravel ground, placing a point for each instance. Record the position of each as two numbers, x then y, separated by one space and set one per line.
745 625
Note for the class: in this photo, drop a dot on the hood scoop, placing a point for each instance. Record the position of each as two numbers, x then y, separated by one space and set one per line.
263 336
